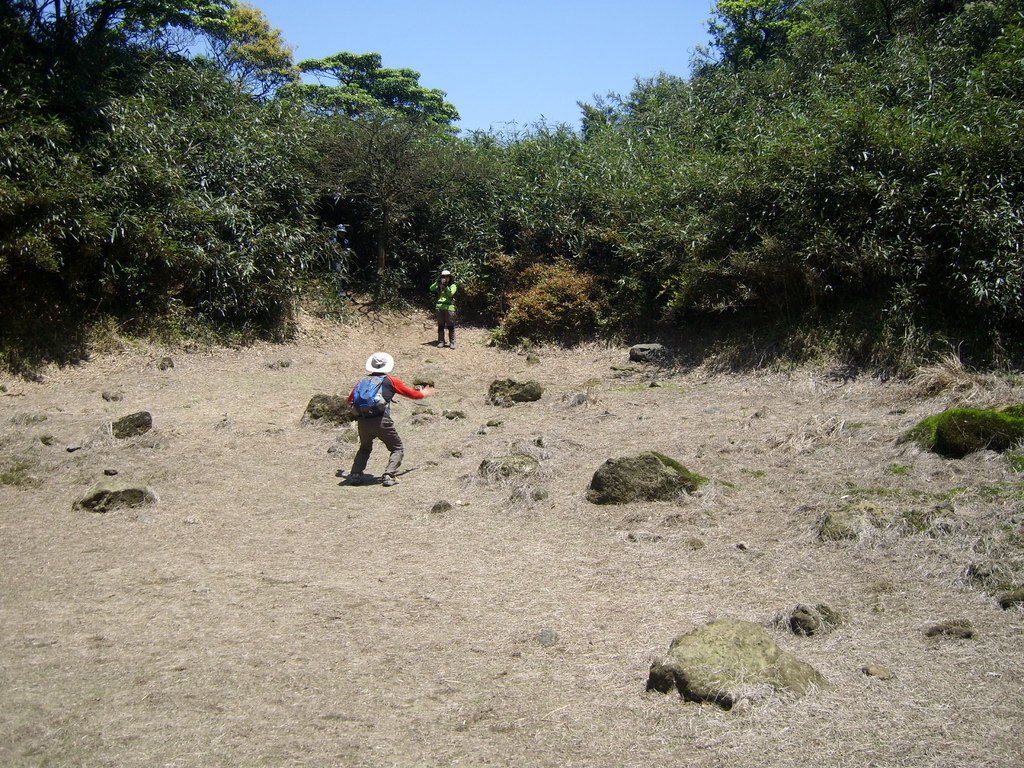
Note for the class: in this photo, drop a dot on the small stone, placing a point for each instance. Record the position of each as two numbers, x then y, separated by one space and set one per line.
695 544
73 448
878 671
495 423
742 707
539 494
1012 598
453 414
546 638
956 628
110 472
112 397
807 620
643 537
46 439
191 520
441 507
456 454
166 363
741 546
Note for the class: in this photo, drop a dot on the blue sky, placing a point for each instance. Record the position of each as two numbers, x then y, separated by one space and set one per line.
505 64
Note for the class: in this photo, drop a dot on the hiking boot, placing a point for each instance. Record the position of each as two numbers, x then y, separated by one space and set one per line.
452 345
441 344
389 480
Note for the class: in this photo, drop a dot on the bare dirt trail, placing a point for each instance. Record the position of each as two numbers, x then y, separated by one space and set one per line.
262 615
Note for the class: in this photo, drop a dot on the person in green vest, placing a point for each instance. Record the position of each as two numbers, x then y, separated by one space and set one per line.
444 289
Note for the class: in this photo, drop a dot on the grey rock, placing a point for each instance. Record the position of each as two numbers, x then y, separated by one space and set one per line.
546 637
647 353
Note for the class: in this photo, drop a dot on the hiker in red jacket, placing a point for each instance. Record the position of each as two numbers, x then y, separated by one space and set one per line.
375 419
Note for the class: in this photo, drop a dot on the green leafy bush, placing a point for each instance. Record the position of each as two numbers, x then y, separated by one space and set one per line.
555 303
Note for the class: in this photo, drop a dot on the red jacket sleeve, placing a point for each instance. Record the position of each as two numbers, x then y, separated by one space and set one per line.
401 388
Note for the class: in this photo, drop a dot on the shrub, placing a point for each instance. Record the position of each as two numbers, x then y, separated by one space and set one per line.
555 304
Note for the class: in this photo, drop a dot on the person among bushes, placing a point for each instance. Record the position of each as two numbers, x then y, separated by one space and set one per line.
371 397
444 289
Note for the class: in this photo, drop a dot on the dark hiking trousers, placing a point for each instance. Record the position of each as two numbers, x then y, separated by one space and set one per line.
445 319
377 428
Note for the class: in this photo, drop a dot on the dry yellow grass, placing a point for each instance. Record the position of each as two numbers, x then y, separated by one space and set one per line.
262 615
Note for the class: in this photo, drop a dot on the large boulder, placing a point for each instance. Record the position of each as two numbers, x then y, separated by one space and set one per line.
111 494
132 425
728 660
649 476
647 353
956 432
328 409
506 392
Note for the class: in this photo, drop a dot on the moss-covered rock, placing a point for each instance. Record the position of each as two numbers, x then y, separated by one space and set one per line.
851 521
328 409
113 494
506 392
649 476
809 620
508 467
728 660
132 425
956 432
1011 598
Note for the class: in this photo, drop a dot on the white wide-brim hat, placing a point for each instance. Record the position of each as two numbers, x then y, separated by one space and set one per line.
380 362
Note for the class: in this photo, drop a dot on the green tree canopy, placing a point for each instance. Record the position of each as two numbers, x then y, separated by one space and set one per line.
745 32
251 51
357 86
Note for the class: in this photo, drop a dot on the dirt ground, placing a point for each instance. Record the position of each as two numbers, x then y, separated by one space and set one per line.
260 614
